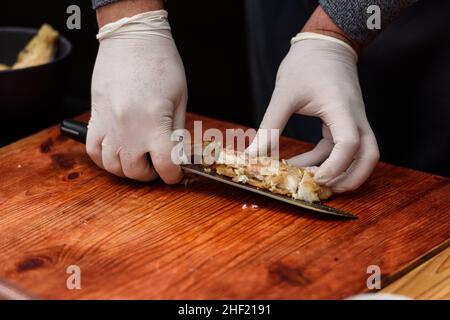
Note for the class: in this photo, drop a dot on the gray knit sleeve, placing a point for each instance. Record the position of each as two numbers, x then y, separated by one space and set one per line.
351 15
99 3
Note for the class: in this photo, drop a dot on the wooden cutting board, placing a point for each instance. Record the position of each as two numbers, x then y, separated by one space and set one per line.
207 240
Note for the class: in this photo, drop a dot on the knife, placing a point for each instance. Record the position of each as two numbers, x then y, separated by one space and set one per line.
77 131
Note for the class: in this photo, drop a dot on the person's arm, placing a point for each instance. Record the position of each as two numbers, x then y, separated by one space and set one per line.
319 78
112 10
139 92
351 16
321 23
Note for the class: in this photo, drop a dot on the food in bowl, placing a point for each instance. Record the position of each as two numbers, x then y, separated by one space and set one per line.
40 50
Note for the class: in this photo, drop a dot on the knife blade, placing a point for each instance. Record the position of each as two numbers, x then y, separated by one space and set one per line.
78 131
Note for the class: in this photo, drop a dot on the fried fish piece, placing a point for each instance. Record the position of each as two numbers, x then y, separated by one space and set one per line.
276 176
4 67
40 50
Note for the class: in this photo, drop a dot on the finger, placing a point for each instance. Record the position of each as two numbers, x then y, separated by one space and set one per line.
318 154
179 116
169 172
179 133
276 117
346 143
161 154
314 157
265 141
135 165
94 143
110 158
366 160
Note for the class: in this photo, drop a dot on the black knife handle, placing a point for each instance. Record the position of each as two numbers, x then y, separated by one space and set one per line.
75 130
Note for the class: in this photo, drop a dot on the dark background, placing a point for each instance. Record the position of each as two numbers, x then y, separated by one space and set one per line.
404 73
212 48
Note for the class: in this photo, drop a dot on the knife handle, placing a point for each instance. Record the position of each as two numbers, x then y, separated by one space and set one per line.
77 130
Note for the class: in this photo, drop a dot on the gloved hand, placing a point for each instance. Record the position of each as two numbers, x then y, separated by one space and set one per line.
139 97
319 78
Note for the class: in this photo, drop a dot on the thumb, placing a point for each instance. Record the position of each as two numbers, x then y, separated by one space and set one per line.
162 144
275 119
161 155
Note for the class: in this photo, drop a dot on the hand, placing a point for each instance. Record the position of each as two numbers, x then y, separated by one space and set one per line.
319 78
139 97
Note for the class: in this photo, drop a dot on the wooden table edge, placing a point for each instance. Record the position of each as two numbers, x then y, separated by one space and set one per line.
413 265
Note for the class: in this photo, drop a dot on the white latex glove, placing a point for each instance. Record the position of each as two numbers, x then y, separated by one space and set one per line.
319 78
139 97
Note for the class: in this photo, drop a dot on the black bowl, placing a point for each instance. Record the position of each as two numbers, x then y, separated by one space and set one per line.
29 96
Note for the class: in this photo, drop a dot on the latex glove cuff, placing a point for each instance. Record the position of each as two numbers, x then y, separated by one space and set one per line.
317 36
138 26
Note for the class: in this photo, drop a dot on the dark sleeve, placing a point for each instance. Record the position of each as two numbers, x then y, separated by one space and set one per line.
351 15
99 3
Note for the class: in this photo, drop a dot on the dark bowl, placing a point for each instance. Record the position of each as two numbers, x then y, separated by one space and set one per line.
29 96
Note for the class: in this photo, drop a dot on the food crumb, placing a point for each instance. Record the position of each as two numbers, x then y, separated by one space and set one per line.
246 206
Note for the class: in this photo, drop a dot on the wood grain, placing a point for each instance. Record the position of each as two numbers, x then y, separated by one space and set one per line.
149 240
429 281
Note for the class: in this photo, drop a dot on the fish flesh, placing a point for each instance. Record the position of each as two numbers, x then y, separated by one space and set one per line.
266 173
